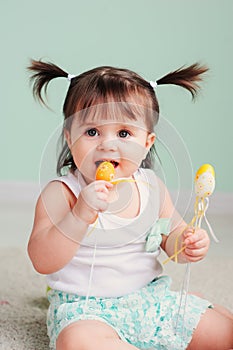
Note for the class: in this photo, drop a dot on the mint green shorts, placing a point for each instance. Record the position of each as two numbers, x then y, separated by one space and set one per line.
146 318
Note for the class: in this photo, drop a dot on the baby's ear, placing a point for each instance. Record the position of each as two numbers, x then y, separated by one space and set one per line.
68 138
150 140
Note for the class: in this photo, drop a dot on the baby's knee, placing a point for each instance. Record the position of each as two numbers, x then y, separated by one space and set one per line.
84 335
214 331
73 337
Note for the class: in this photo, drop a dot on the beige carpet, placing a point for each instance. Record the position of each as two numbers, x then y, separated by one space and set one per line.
23 303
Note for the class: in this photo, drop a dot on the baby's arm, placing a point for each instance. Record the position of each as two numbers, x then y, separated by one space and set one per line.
61 221
197 243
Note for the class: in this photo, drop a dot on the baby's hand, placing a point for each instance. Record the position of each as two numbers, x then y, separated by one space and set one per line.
92 199
197 244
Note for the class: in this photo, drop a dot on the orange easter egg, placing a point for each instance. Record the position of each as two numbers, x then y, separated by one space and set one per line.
105 171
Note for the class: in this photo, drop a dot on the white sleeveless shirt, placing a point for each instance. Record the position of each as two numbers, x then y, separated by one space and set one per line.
115 247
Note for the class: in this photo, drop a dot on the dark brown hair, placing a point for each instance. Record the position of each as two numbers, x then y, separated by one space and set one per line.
103 85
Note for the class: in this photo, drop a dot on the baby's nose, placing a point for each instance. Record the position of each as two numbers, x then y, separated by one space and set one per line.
107 144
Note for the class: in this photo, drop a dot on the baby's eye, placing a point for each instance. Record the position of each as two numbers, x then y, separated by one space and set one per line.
92 132
124 133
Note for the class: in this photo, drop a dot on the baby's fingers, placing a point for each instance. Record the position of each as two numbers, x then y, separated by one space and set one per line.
197 239
196 245
194 255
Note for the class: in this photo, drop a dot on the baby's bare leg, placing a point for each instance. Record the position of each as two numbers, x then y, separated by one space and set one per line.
90 335
214 332
222 310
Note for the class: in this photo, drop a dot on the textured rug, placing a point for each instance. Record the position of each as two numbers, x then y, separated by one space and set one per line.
23 302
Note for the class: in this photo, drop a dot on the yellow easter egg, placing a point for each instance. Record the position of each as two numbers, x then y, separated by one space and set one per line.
105 171
205 168
205 181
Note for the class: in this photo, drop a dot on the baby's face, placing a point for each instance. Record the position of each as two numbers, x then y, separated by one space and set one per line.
125 144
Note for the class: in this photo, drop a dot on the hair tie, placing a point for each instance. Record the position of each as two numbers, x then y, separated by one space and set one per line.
70 76
153 84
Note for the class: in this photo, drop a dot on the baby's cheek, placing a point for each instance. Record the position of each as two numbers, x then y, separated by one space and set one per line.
135 153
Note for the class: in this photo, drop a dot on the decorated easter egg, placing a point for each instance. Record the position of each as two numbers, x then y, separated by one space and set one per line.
105 171
205 181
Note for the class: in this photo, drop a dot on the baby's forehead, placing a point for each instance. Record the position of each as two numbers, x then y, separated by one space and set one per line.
114 112
109 123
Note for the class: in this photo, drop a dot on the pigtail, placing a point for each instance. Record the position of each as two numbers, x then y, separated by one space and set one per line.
186 77
44 73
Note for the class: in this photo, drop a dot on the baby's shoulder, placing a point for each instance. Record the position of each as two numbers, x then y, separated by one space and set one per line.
149 175
58 188
70 182
146 172
154 180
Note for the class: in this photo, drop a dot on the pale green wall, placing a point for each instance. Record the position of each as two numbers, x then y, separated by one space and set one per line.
151 37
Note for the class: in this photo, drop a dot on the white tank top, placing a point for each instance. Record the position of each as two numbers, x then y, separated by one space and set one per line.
114 248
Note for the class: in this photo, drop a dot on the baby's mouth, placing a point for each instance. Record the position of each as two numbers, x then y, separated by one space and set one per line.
113 162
